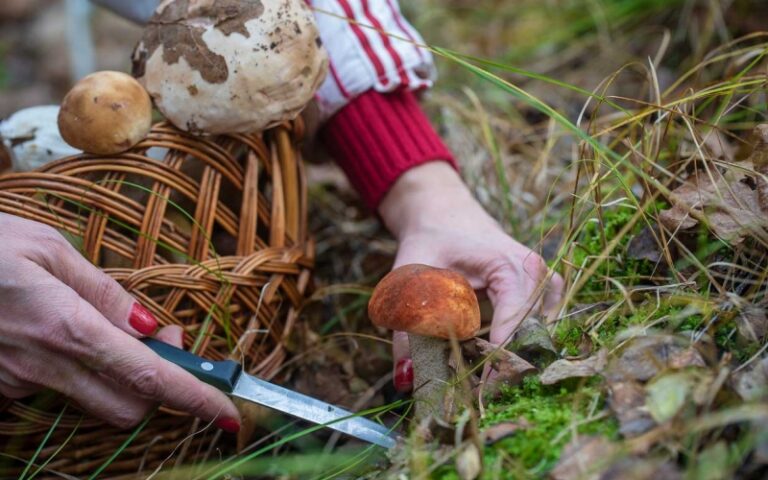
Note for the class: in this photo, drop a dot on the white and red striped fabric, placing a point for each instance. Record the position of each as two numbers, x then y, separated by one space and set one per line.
370 44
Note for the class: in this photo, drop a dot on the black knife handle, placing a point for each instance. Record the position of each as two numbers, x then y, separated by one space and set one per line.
222 375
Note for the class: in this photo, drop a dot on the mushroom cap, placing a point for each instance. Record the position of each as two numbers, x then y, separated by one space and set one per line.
428 301
230 66
105 113
31 139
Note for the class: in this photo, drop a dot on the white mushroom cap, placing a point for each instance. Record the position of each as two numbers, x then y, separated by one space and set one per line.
31 137
225 66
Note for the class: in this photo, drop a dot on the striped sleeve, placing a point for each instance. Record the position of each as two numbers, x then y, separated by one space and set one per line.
371 47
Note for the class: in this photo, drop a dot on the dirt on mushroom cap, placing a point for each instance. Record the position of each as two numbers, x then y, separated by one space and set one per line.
230 66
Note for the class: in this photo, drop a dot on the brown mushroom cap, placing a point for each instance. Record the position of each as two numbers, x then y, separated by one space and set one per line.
105 113
428 301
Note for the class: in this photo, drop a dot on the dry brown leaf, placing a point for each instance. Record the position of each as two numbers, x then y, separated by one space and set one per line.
639 468
254 417
752 384
532 337
753 323
468 462
502 430
585 459
627 402
727 201
644 246
644 357
564 369
510 368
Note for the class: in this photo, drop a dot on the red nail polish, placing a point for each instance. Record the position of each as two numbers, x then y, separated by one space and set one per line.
228 424
404 375
142 320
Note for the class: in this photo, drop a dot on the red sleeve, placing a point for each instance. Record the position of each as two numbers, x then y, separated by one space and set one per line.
377 137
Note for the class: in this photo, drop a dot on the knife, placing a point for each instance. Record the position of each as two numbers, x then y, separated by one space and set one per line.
227 376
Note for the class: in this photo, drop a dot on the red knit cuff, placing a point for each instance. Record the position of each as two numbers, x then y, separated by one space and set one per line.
377 137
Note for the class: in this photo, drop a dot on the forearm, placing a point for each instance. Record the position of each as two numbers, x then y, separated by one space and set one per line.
424 195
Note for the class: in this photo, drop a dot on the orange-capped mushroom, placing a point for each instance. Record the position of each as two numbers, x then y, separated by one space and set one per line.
433 305
424 300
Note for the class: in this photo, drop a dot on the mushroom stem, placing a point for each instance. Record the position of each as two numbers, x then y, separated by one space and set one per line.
433 381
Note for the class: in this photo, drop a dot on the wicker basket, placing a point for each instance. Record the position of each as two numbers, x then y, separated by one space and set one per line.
208 233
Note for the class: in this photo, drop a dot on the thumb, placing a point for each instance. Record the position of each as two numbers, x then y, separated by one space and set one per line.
101 291
512 301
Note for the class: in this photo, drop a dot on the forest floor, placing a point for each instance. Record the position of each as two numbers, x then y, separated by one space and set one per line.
618 138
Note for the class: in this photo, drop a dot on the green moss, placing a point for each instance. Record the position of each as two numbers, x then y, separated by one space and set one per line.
550 412
567 337
592 244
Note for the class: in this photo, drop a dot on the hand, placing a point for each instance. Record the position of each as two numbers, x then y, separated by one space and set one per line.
437 222
67 326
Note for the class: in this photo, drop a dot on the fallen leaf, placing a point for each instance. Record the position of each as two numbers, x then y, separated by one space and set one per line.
752 384
502 430
510 368
643 358
584 459
640 468
627 401
532 337
564 369
760 455
713 463
753 323
667 395
727 201
468 462
644 246
254 417
759 159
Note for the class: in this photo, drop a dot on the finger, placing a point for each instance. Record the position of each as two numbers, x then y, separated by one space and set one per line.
403 365
133 365
515 289
15 392
553 295
99 395
172 334
97 288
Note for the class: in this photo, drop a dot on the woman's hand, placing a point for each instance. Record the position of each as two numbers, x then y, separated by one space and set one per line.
437 222
67 326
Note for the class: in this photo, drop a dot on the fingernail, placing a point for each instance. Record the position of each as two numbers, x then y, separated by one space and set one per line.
142 320
404 375
228 425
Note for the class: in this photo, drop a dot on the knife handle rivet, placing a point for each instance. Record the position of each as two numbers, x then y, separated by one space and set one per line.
207 366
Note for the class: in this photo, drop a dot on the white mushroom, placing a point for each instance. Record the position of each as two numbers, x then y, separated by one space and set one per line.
31 138
230 65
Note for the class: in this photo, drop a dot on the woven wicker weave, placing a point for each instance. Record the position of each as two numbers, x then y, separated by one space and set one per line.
209 234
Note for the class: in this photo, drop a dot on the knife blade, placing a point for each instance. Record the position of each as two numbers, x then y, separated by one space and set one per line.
227 376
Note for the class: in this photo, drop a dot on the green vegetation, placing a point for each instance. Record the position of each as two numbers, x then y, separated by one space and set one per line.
554 413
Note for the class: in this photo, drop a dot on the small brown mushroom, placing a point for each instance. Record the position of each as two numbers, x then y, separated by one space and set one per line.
433 306
105 113
230 66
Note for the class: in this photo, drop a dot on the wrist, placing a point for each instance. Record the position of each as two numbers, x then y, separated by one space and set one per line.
425 194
